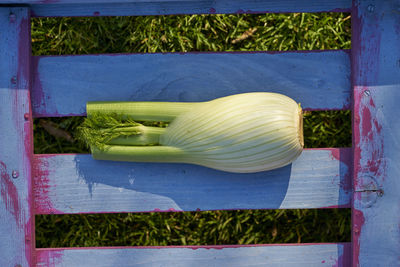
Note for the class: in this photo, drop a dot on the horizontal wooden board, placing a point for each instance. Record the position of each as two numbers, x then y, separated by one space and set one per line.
63 84
161 7
78 184
251 255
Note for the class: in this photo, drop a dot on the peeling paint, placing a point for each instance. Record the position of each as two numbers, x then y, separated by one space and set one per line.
50 258
370 155
41 188
358 221
27 163
30 253
9 194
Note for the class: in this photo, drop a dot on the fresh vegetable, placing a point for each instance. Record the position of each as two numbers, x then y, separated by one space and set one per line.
242 133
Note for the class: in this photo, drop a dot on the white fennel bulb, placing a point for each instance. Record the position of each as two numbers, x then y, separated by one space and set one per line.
240 133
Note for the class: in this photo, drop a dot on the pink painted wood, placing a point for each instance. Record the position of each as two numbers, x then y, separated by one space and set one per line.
376 129
16 147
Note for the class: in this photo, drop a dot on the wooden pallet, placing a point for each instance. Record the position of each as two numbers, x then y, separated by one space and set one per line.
365 79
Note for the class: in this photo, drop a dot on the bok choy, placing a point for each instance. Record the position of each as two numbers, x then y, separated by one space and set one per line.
241 133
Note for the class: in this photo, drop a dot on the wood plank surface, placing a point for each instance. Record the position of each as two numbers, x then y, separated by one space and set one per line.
78 184
167 7
199 256
63 84
16 146
376 131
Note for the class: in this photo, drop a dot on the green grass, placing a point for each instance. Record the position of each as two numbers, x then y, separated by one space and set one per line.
58 36
194 228
298 31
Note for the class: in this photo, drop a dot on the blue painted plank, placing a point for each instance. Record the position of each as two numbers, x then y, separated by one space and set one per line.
376 131
231 256
63 84
167 7
16 219
77 183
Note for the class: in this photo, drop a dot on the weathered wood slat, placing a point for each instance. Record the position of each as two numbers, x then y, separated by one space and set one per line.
63 84
199 256
16 218
161 7
376 132
78 184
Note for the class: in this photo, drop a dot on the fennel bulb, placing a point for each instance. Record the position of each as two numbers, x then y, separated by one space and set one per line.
242 133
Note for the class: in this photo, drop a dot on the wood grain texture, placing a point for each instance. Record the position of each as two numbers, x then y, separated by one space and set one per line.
167 7
199 256
16 219
63 84
376 131
79 184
